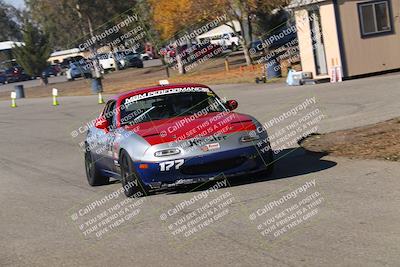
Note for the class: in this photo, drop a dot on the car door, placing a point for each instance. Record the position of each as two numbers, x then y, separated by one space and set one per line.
105 139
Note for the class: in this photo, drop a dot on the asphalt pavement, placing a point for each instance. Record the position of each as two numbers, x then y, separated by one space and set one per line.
352 220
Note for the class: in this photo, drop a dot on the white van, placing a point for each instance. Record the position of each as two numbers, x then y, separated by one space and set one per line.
228 40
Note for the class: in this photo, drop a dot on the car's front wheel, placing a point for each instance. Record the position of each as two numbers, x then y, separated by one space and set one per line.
93 175
130 180
234 47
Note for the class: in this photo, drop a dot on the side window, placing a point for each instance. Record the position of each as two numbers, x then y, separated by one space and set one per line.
113 117
109 112
375 18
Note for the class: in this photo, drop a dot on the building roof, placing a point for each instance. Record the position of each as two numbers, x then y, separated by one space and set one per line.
9 45
65 52
300 3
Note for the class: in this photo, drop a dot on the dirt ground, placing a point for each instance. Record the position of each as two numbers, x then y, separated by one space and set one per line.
210 72
377 141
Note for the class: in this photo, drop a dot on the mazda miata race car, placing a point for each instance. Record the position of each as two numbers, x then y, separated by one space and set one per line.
171 135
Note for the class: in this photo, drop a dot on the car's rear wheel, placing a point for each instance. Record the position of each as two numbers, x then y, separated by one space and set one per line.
130 180
93 175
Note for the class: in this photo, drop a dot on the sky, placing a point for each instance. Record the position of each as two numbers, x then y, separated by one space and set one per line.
16 3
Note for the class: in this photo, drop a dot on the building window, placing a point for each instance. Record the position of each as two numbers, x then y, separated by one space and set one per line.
375 18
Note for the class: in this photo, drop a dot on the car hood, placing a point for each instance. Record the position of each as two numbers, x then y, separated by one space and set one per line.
188 127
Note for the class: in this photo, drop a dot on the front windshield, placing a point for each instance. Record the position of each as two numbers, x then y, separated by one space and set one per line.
168 106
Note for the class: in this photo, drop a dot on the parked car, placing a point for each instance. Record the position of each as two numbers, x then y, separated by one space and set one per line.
16 74
64 65
145 56
51 70
193 52
108 61
3 77
172 135
77 70
129 59
228 40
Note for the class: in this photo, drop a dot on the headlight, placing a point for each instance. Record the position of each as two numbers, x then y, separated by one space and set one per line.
248 138
167 152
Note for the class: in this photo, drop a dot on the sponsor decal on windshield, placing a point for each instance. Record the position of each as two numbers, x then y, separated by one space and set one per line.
167 92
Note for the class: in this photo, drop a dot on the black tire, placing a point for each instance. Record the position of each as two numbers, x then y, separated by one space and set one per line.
130 180
92 173
234 47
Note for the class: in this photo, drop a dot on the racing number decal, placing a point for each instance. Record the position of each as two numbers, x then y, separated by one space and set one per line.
167 165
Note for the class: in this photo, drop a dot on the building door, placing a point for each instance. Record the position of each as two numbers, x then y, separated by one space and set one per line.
317 42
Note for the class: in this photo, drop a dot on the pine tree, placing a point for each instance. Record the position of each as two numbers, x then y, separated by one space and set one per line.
32 56
9 23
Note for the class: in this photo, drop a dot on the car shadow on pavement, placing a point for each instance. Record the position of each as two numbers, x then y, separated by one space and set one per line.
289 163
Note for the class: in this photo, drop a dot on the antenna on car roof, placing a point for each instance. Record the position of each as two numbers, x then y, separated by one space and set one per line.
163 82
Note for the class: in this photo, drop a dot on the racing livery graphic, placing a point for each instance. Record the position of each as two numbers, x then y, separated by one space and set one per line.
165 136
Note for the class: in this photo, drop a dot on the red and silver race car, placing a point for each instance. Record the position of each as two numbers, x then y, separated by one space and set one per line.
171 135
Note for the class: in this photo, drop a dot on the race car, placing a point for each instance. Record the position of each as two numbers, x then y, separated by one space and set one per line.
171 135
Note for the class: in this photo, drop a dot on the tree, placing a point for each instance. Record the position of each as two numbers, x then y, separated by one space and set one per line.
173 16
192 12
57 19
170 25
34 54
243 11
267 23
69 22
9 23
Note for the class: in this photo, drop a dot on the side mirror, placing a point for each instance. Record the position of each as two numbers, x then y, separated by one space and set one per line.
231 104
102 123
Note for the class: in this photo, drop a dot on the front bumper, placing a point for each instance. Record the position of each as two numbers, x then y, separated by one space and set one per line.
203 168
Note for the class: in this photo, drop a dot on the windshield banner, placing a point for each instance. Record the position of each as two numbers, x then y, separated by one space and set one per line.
167 92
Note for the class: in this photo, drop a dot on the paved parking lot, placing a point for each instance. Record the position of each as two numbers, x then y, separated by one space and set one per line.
42 183
60 79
